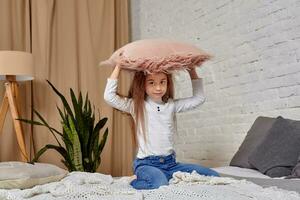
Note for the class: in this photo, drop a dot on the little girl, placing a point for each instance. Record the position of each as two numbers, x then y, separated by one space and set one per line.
151 105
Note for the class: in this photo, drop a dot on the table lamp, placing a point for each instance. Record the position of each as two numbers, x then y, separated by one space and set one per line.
14 66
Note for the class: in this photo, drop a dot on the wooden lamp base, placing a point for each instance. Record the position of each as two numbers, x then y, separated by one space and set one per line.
10 100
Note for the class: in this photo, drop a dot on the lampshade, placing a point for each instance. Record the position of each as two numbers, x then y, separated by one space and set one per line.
18 63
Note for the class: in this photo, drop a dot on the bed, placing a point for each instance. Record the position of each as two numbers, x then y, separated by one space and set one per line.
185 186
259 178
259 158
269 154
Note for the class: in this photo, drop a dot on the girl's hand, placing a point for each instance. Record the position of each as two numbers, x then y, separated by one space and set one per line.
117 66
193 73
115 73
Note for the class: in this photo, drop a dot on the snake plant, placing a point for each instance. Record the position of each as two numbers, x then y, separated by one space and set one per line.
80 134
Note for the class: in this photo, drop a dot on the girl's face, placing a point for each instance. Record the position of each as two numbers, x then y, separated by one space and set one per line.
156 86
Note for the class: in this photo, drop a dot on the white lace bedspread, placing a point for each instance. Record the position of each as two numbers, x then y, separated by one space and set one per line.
183 186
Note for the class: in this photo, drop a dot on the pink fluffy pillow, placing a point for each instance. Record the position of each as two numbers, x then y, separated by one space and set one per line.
156 55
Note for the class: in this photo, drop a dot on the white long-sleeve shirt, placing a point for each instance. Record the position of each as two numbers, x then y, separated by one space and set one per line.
159 117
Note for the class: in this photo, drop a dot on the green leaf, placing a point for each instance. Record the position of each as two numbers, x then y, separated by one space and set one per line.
86 102
60 150
80 134
99 150
80 100
63 99
79 121
103 141
95 133
77 157
69 140
63 116
31 122
50 128
44 123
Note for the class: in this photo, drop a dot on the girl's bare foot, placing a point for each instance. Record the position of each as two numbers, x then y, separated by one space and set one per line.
131 178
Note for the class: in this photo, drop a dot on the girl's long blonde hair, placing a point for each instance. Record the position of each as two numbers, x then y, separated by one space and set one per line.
138 94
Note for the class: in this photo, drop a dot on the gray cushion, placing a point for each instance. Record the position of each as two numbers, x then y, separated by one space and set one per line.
279 149
296 170
20 175
254 137
279 171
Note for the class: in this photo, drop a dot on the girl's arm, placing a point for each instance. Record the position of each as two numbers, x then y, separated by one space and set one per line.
198 97
193 74
110 94
115 73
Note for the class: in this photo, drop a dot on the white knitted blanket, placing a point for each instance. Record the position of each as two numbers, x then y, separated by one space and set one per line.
183 186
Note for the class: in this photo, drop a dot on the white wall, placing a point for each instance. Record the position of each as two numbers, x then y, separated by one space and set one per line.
255 70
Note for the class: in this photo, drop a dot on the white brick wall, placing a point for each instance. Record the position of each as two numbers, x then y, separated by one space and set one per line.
255 71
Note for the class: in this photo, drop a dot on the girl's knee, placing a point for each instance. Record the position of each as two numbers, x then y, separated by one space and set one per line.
149 178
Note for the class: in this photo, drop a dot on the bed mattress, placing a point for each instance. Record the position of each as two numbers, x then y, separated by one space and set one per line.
259 178
183 186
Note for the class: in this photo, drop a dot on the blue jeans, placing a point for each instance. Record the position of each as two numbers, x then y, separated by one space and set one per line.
155 171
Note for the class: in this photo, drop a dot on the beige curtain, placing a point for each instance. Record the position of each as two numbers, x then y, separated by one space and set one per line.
123 144
15 35
69 38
